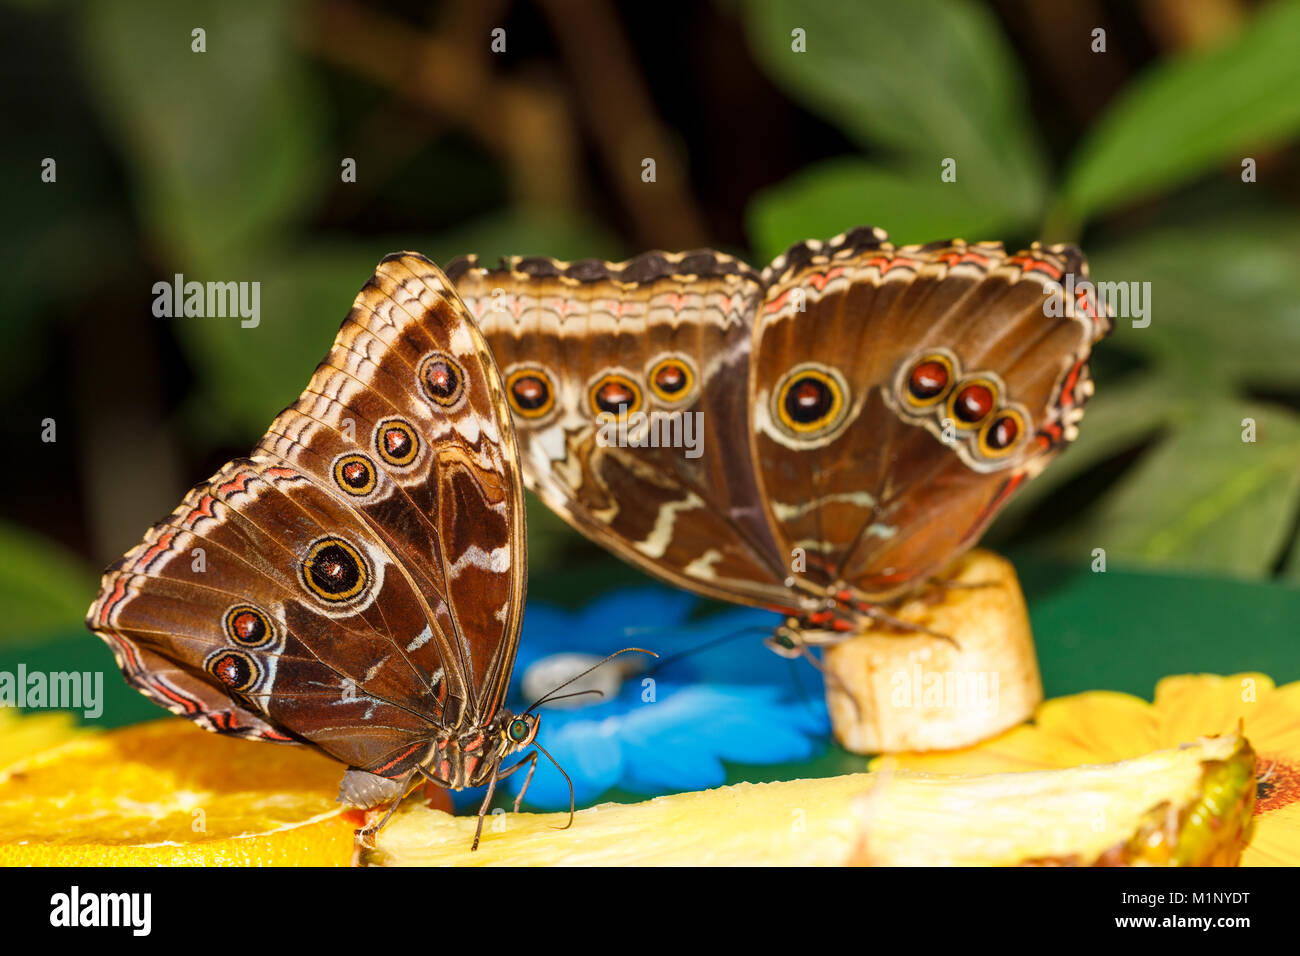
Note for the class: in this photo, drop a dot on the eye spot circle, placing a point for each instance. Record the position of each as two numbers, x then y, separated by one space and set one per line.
334 570
810 401
671 379
529 392
396 442
248 626
442 379
234 669
928 381
1003 432
972 402
355 474
616 394
1000 435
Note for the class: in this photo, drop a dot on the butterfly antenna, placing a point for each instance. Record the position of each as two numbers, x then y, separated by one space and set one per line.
576 693
548 756
711 643
800 691
550 695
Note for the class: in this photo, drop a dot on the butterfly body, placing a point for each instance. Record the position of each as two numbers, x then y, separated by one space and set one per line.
356 584
866 409
468 760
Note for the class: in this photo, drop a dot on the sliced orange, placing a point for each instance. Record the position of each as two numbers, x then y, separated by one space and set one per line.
168 793
26 734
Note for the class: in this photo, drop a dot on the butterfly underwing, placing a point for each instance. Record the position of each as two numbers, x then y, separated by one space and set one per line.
860 411
355 584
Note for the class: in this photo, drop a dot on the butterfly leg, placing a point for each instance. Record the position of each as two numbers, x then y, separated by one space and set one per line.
884 617
942 584
532 767
531 760
831 677
368 832
487 802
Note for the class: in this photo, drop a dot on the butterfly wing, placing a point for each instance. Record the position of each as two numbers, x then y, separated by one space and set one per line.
276 602
410 397
220 591
901 395
666 337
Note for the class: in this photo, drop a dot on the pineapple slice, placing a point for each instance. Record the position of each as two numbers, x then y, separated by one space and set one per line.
1186 807
1189 806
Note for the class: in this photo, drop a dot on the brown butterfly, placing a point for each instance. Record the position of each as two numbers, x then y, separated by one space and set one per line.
357 583
859 411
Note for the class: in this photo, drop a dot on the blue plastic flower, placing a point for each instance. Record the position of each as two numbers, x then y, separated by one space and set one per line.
714 694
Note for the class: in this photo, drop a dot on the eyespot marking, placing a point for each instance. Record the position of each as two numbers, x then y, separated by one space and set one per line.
1000 436
248 626
355 474
672 379
334 570
396 442
616 394
235 670
929 380
442 379
530 392
972 401
810 400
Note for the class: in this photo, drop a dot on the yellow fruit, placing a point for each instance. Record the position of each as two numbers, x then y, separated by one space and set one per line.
1190 806
26 734
168 793
1187 806
890 691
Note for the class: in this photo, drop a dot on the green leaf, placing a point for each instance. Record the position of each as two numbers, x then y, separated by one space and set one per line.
1223 303
929 79
43 589
1205 499
1116 419
1191 114
825 199
246 375
1291 570
225 146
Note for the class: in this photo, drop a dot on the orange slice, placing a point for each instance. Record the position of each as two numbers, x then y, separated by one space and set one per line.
168 793
26 734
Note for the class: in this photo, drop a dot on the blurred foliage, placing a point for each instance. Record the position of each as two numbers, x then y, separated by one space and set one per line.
1225 320
226 165
223 148
1192 114
43 589
918 82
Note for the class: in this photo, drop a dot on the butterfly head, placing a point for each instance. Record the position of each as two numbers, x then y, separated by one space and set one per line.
785 639
838 615
518 731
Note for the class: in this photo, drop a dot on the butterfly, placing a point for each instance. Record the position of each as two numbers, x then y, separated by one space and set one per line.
820 437
357 582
